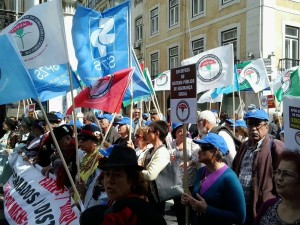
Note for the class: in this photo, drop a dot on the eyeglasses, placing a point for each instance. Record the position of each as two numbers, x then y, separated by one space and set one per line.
256 125
285 174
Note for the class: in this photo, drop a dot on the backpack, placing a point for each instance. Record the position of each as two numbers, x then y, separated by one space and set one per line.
217 129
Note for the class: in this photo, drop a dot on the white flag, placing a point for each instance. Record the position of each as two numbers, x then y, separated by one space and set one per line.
281 78
39 35
214 68
162 81
256 74
206 97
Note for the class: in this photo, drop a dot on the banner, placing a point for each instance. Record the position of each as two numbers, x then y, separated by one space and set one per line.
31 198
39 35
214 68
207 97
162 81
243 83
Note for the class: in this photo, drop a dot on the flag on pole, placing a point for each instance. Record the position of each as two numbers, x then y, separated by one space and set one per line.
162 81
148 80
206 97
256 74
280 79
214 68
290 86
106 94
39 35
101 41
243 83
15 83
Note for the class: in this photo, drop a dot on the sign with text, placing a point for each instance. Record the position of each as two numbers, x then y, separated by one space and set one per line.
184 94
291 118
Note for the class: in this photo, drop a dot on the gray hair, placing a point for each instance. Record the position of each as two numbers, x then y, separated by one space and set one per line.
209 116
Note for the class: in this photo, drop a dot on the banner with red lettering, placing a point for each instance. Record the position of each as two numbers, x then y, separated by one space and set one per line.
31 198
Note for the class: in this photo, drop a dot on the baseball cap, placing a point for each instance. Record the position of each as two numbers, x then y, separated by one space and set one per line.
259 114
215 140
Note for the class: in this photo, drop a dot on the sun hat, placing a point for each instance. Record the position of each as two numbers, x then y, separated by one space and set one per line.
216 140
121 156
259 114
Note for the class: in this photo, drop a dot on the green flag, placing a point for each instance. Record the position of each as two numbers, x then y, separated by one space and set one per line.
243 83
290 86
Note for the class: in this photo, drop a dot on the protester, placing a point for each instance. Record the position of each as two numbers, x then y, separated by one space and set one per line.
90 118
286 208
154 115
255 162
126 189
156 160
124 132
241 131
192 163
110 134
137 120
217 197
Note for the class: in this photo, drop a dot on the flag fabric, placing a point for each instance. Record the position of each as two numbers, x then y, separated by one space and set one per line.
106 94
52 81
162 81
256 74
279 80
206 97
243 83
15 82
214 68
228 89
148 80
101 41
290 86
39 35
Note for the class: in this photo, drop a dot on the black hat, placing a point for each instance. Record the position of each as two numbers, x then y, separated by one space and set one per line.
53 118
62 131
153 112
91 131
121 156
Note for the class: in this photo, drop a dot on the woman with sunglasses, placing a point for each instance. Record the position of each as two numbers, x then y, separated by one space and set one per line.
218 196
286 208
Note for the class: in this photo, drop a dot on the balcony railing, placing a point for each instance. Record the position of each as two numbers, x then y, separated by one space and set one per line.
286 63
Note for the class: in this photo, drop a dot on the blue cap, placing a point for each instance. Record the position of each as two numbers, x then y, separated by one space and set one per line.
59 115
78 123
147 123
105 116
240 123
230 121
215 140
106 152
176 125
259 114
145 115
124 120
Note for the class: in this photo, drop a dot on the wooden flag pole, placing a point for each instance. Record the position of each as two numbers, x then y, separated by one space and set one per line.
185 172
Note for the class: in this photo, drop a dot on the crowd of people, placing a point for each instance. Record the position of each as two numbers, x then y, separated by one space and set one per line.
238 169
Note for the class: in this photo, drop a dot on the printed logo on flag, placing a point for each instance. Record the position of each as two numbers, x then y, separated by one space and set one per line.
286 81
297 137
241 80
102 40
29 30
253 74
162 80
183 110
209 68
101 87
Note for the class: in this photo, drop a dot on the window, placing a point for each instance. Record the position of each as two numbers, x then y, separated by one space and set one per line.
173 12
154 64
173 57
230 37
139 29
197 7
198 46
226 1
154 21
291 45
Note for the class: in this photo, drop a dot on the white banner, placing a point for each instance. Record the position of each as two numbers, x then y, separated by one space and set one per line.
31 198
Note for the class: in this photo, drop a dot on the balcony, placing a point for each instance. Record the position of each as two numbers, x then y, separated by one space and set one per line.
286 63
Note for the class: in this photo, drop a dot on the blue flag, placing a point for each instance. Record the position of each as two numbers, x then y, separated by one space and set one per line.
101 41
15 82
52 81
227 89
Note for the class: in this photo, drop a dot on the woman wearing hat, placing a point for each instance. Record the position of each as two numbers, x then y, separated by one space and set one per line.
218 196
177 153
126 189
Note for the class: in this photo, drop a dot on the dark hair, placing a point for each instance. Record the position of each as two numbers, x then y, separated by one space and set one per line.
291 156
162 127
140 185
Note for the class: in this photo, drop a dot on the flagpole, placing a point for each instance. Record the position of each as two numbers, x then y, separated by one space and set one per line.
18 111
61 155
259 99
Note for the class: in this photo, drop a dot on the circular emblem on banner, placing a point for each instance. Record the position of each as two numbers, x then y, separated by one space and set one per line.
101 87
183 110
297 137
286 82
209 68
29 34
253 74
162 80
264 102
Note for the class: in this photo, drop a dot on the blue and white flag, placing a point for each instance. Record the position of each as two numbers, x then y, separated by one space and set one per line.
15 82
101 41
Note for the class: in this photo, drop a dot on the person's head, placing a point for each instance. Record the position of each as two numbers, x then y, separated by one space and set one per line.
154 115
54 120
38 128
122 174
137 113
223 116
89 137
257 124
206 120
26 124
89 118
9 124
158 130
140 137
104 121
213 148
241 130
287 175
177 131
145 116
124 127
